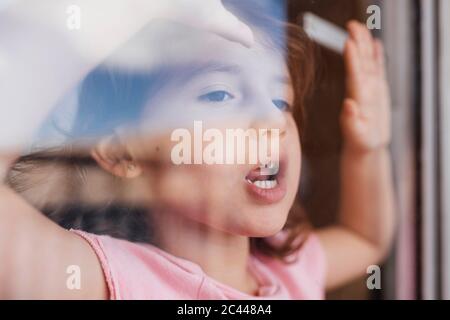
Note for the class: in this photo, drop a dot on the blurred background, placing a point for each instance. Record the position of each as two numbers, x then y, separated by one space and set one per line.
417 41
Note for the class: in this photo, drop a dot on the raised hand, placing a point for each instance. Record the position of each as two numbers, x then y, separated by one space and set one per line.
366 114
59 58
211 16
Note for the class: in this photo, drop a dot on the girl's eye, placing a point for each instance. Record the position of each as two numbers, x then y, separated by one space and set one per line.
281 104
216 96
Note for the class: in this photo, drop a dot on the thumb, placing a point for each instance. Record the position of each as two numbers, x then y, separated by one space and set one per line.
349 116
228 26
350 108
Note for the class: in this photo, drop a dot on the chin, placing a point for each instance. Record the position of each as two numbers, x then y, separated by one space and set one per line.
263 232
268 224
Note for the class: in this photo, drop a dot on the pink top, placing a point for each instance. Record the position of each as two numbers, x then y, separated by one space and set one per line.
142 271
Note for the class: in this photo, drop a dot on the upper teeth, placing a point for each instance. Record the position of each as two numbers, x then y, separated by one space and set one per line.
265 184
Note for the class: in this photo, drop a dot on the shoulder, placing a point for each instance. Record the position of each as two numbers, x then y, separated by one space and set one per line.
141 271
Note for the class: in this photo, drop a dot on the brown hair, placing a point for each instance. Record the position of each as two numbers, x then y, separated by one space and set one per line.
103 90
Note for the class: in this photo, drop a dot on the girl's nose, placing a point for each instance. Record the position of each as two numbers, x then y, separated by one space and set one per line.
268 116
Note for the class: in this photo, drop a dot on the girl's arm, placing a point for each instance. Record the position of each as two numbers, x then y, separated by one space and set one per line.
37 255
365 228
39 61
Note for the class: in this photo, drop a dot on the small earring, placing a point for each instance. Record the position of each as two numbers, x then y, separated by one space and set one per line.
131 166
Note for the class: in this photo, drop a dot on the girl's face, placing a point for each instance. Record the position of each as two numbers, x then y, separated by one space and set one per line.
227 86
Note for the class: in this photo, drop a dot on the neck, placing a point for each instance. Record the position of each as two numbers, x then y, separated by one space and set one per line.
222 256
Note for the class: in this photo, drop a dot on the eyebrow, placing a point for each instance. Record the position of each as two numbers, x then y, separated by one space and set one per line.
215 66
197 69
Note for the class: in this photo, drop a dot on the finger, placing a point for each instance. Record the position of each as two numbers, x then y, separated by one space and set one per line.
352 59
363 40
371 59
379 57
350 116
228 26
353 68
355 35
379 52
352 27
350 108
368 44
367 49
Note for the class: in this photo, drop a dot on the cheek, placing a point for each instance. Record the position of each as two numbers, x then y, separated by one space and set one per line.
200 193
294 149
297 158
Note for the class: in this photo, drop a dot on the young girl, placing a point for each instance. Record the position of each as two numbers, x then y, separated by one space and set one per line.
217 231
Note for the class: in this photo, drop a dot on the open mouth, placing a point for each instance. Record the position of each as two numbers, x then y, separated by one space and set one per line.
266 183
264 177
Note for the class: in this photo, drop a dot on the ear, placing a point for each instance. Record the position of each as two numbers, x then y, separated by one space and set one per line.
111 155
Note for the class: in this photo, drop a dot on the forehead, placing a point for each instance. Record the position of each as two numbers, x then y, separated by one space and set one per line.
261 60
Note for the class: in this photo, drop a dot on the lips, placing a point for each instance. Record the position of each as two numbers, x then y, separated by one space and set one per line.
267 185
